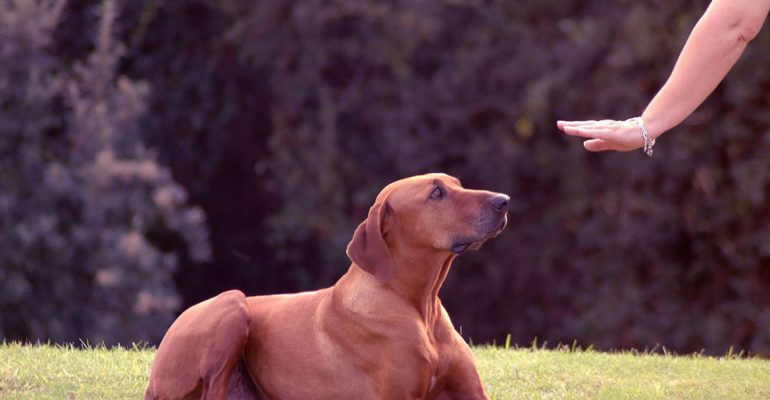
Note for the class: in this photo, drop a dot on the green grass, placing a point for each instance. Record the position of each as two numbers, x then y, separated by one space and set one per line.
54 372
65 373
565 374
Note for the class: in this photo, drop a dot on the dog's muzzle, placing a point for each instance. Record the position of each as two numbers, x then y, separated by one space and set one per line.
495 222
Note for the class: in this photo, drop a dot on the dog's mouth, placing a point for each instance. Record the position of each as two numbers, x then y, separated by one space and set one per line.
461 246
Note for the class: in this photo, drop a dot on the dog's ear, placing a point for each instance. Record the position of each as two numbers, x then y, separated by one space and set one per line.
368 248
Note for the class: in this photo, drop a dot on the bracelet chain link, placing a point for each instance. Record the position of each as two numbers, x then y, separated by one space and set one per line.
648 143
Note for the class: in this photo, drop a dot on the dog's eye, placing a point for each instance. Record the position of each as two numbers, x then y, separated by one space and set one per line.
437 193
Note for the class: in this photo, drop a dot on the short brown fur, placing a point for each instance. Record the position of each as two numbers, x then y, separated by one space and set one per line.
379 333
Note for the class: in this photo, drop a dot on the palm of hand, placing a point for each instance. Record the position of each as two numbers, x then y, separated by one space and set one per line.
605 134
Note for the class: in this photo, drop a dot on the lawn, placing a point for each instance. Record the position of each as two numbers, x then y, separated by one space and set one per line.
48 372
564 374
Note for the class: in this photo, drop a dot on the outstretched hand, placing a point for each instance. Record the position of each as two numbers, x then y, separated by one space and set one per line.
605 134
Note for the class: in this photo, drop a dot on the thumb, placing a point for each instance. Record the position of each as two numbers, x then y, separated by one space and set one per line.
596 145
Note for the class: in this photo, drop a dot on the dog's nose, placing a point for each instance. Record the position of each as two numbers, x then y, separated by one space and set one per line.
499 202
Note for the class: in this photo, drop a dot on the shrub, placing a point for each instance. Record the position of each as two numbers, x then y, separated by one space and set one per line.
94 227
283 119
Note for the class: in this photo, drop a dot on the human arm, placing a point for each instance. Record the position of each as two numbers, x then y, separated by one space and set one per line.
715 44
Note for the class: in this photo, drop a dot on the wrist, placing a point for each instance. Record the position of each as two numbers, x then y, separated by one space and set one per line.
648 141
654 126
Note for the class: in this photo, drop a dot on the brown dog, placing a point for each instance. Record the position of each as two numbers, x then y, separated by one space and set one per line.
379 333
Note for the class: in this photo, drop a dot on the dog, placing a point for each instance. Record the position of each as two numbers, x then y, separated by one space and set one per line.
380 332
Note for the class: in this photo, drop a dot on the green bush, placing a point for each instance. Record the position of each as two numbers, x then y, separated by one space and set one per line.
282 119
615 250
93 227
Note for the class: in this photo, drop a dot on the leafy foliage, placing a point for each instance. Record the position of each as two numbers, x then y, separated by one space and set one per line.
283 119
93 226
615 250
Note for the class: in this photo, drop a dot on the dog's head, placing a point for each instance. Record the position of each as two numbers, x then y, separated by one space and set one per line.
425 213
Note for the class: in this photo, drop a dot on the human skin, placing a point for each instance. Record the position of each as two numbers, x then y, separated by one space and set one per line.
713 47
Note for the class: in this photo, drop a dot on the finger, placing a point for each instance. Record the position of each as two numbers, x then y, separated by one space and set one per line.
588 133
596 145
605 123
574 124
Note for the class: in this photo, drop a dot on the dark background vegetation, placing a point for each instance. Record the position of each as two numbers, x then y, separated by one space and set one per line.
154 153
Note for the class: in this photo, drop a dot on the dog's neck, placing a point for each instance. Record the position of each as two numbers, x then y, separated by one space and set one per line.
417 277
416 280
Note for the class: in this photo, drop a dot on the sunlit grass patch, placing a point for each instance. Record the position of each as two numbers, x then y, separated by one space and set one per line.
65 372
569 373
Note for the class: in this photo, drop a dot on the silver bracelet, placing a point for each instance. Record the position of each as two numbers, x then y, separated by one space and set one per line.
648 143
